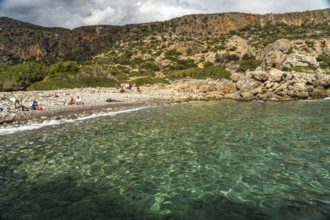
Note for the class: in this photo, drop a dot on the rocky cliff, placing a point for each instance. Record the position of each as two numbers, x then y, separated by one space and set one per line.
22 41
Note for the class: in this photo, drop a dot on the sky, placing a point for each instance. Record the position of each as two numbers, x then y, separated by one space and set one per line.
75 13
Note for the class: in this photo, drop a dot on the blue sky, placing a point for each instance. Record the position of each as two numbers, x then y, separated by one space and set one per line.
74 13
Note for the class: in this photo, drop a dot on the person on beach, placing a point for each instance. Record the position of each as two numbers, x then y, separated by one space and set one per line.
72 101
78 101
122 88
34 105
15 102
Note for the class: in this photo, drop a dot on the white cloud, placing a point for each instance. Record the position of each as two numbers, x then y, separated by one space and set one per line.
73 13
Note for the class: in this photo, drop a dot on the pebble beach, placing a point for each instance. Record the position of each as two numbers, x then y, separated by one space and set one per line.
55 105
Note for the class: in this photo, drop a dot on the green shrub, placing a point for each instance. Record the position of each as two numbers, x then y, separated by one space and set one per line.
64 67
310 44
208 64
226 58
216 72
324 65
137 61
142 73
126 62
182 64
21 76
150 66
170 54
56 83
52 85
245 65
96 82
149 80
302 68
325 59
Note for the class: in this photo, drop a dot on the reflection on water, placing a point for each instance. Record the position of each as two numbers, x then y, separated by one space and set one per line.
214 160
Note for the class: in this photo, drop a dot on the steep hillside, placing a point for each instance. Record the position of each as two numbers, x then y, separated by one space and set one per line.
215 46
22 41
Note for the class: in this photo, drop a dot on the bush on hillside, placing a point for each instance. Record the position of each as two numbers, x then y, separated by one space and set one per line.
64 67
21 76
217 72
226 58
182 64
325 61
62 83
149 66
300 69
247 64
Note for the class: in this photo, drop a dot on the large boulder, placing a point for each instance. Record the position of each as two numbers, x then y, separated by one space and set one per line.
247 84
261 76
276 75
210 57
282 45
275 54
239 46
299 59
273 59
228 87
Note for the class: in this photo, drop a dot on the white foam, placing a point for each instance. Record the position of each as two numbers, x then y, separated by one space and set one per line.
5 131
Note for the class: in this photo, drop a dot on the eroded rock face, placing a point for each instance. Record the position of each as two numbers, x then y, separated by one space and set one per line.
299 59
275 54
239 46
279 85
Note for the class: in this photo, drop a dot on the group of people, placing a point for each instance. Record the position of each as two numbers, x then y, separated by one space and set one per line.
76 101
128 86
17 105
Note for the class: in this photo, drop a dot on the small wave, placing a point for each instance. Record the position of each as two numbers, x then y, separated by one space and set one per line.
11 130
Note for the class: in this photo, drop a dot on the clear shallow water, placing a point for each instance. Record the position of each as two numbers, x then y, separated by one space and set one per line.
214 160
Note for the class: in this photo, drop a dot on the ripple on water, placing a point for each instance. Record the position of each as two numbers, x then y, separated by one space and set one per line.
215 160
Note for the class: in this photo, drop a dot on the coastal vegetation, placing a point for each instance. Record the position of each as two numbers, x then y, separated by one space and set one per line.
159 52
324 60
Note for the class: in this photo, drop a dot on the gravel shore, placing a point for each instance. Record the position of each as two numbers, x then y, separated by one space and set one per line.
55 104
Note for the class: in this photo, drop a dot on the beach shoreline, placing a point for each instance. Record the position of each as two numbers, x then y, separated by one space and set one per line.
54 104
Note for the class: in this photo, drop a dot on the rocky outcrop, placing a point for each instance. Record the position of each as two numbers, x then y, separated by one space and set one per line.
286 54
275 85
240 47
278 85
299 59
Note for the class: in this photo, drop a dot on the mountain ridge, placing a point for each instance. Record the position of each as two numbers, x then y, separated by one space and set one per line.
24 41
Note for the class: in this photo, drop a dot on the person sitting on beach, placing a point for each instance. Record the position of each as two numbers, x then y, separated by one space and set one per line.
72 101
34 105
122 89
78 101
15 102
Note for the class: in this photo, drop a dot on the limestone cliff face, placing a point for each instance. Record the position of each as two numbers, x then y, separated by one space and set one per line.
223 23
21 41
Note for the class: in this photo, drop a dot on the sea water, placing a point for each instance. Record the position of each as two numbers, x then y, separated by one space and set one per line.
203 160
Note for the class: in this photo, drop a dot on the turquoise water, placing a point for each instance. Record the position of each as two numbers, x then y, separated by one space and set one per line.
204 160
